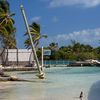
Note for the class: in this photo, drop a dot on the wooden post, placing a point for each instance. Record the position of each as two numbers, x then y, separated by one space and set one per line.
42 57
17 56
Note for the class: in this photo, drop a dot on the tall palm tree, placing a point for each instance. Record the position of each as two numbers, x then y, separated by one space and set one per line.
53 46
7 29
36 35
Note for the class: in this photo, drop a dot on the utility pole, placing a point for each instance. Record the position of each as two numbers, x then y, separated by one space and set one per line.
40 69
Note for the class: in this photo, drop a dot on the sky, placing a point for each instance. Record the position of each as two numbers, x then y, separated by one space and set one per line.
61 20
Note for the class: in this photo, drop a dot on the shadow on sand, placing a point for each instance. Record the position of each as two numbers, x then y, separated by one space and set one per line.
94 93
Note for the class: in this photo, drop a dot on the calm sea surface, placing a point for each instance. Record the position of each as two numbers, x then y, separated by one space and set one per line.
61 83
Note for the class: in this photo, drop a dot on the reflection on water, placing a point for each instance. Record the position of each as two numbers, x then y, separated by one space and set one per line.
59 84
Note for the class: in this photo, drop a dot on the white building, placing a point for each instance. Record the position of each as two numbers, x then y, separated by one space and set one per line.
18 57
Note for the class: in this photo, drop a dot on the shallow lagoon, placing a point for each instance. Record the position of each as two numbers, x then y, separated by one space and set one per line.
61 83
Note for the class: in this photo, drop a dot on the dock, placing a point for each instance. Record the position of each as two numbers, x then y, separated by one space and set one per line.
74 64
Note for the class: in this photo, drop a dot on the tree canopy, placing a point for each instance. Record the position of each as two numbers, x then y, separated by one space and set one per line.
36 35
7 29
74 51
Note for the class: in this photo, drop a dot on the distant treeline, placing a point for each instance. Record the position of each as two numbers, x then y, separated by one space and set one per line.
75 51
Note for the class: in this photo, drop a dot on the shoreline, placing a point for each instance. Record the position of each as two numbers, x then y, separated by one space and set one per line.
19 68
22 68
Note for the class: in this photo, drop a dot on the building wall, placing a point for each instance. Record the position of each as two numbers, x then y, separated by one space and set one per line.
20 56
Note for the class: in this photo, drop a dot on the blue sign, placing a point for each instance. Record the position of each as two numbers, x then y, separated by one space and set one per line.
47 52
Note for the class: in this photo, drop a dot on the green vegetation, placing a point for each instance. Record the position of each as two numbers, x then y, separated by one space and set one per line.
35 33
75 51
7 29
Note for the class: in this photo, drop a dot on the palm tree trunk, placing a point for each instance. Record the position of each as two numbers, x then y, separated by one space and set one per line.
6 57
2 55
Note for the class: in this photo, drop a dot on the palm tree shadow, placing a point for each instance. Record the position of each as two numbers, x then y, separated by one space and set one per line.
94 93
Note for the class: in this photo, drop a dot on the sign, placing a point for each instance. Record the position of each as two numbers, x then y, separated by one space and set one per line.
47 52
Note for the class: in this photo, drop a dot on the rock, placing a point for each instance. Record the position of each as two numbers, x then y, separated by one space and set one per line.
13 78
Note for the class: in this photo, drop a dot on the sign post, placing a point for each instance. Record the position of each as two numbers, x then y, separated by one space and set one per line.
47 52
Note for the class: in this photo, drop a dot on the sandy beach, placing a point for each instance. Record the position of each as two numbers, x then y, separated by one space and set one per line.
59 84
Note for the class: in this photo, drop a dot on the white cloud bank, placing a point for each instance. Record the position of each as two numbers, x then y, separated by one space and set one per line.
83 3
90 36
84 36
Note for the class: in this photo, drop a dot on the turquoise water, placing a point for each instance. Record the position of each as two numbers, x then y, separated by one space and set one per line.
61 83
54 62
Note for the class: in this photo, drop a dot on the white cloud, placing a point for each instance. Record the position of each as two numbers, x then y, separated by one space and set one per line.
83 3
36 18
89 36
84 36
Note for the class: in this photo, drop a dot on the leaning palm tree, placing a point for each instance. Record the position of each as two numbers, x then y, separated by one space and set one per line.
36 35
